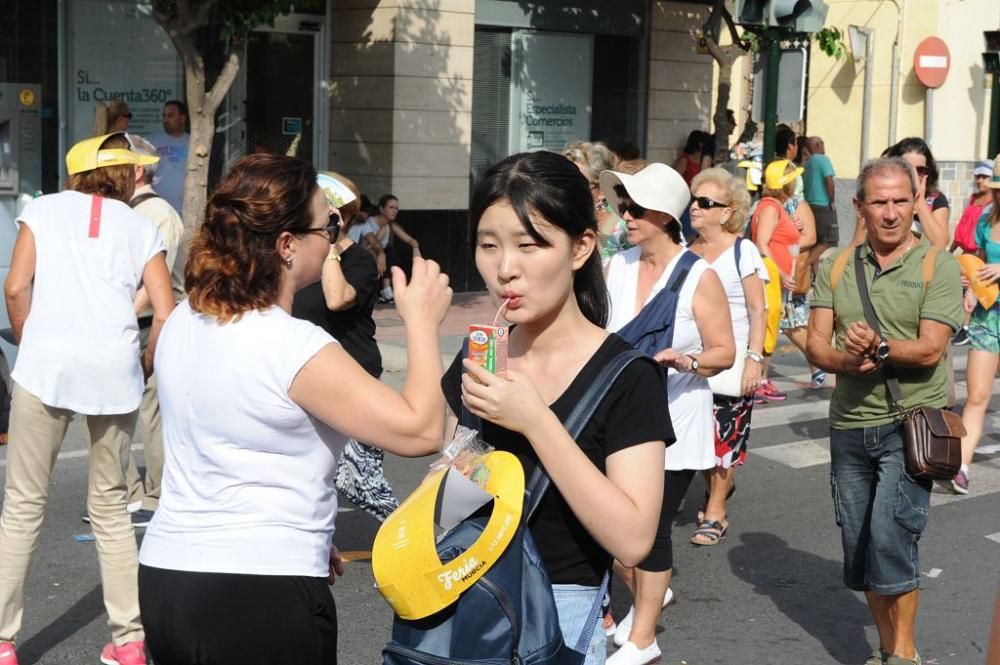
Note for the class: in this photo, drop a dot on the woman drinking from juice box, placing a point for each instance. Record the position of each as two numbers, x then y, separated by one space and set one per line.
536 248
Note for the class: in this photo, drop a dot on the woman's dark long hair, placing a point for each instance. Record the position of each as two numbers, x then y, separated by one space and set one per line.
549 186
919 146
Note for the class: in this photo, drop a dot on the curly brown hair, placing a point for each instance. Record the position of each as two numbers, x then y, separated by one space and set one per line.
111 182
234 265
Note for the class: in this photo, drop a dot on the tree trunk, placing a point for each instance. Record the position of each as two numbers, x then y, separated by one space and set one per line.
723 128
200 146
725 56
202 106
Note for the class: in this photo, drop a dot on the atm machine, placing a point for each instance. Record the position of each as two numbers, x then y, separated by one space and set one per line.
20 180
20 144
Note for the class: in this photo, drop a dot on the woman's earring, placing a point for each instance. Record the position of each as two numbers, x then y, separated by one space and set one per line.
288 262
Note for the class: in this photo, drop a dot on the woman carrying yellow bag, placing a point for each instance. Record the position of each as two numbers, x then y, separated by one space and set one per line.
772 299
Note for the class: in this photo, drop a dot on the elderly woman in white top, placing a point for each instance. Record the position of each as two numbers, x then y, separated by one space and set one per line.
719 208
651 202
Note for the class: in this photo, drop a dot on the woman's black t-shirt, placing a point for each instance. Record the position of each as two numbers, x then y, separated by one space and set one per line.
353 327
633 412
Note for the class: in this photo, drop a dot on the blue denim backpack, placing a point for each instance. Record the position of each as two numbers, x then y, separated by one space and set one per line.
509 616
652 330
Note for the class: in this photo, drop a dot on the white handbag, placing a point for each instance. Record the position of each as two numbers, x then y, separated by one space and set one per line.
729 382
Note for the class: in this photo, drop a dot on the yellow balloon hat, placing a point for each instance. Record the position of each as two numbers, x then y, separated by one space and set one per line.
986 292
408 571
87 155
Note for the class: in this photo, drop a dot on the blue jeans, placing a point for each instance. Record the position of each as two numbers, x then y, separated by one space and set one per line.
880 508
574 602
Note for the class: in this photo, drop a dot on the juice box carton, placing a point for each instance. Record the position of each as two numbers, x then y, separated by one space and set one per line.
488 347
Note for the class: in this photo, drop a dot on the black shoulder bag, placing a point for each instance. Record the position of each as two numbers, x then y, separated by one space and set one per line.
932 438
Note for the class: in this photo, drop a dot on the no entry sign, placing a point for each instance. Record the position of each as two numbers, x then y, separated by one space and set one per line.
931 62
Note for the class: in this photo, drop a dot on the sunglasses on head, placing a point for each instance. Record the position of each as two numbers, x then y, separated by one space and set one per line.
705 203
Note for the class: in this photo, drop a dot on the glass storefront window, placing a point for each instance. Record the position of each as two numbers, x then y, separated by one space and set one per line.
117 51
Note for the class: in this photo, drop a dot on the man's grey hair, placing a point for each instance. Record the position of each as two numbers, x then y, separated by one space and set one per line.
885 166
144 147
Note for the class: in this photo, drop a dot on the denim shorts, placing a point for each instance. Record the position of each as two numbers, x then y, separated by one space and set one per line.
881 509
574 602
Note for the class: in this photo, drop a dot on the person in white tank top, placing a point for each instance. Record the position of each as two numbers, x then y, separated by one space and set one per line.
719 213
651 202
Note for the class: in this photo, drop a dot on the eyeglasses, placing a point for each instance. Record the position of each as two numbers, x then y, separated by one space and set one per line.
632 208
706 203
330 231
922 170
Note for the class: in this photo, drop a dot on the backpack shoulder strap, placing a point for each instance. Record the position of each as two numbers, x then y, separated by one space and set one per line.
578 419
839 264
142 198
738 254
929 263
681 270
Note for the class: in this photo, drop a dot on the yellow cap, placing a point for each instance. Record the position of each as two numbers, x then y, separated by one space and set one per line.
408 571
775 176
87 155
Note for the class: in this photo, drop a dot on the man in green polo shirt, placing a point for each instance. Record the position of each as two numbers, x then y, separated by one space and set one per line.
880 508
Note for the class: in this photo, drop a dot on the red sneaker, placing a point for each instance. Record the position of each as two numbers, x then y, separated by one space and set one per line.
7 655
130 653
772 393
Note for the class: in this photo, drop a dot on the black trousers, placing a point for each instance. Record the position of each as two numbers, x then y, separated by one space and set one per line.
675 486
227 619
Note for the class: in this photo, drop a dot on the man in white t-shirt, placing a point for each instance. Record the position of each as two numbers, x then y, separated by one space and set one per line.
79 258
172 147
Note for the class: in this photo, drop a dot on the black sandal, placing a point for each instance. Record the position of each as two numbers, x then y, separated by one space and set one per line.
713 532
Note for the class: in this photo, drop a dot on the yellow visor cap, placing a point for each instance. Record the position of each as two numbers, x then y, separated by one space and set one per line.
777 175
87 155
408 571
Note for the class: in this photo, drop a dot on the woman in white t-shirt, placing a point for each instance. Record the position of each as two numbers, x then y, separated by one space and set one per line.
257 406
651 202
718 213
78 261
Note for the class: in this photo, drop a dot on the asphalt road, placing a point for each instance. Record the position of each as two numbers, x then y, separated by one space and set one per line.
771 593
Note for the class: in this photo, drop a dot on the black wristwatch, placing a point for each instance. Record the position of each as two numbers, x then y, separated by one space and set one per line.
882 351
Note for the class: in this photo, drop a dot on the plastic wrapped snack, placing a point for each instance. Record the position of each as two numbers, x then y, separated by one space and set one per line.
465 453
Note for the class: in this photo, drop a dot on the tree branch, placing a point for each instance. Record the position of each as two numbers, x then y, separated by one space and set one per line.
222 83
733 33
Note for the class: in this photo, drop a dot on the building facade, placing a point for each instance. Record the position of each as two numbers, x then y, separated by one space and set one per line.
418 97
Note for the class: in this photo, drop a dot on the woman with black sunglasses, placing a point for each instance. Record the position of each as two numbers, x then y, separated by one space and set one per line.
719 211
933 208
651 202
341 303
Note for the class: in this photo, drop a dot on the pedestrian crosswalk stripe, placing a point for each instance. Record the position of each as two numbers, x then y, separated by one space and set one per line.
995 537
797 410
798 454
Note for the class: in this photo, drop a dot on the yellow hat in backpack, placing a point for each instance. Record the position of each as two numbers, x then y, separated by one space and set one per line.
408 571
